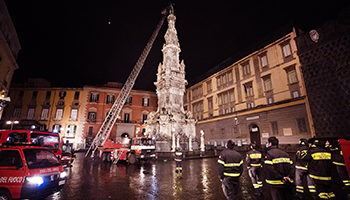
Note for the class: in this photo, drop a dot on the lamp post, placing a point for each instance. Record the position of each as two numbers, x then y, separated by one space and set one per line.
12 123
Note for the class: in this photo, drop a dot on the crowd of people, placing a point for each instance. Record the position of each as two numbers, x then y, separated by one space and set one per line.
284 178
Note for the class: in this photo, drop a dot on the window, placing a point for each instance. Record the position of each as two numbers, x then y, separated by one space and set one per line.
250 105
209 86
268 85
110 99
94 97
286 50
197 92
30 114
48 95
226 97
10 158
246 69
302 125
295 94
56 128
263 59
269 100
35 94
92 116
44 114
76 95
210 103
274 128
90 131
16 113
292 76
145 101
248 87
128 101
59 114
126 118
62 94
74 114
71 130
144 117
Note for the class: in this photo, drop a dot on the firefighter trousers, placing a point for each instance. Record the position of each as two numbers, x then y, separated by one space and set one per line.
230 187
256 181
343 174
323 189
300 175
284 192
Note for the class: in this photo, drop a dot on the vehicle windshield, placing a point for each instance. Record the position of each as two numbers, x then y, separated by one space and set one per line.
40 158
50 141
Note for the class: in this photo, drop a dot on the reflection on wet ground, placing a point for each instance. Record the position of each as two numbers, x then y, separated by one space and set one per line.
93 179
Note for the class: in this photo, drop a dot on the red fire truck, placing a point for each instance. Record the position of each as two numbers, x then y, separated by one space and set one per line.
29 172
139 148
42 138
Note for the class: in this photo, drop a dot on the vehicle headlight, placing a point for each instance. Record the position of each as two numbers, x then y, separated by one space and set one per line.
63 174
35 180
142 156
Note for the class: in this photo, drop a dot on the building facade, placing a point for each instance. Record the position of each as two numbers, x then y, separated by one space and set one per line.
325 62
257 96
97 101
76 113
9 48
37 105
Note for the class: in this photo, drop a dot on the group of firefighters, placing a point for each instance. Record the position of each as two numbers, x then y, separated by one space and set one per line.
313 162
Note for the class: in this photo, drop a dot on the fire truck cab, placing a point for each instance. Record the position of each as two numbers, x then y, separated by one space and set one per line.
29 172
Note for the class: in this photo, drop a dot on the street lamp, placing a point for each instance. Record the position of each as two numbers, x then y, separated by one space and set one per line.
12 123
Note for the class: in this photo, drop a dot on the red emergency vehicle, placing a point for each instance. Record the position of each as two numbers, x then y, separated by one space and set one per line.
139 148
29 172
45 139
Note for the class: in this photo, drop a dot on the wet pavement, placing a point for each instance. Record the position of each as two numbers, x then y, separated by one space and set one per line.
93 179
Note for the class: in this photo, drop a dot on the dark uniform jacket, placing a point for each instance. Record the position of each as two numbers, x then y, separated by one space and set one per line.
300 155
337 155
254 158
319 163
277 165
230 164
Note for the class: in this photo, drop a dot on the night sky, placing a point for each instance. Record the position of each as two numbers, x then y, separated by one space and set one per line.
72 43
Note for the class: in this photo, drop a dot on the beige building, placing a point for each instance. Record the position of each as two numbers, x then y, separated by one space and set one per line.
9 48
37 105
254 97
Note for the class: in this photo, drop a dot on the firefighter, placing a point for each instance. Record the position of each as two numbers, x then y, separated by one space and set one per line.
301 171
338 161
230 166
320 164
254 160
279 171
178 160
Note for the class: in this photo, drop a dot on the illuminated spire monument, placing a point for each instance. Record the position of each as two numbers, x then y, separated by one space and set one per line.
170 124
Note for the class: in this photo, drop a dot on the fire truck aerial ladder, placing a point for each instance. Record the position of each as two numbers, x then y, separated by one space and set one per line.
107 125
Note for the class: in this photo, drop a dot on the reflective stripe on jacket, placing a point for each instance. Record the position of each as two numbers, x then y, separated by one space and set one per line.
254 158
319 163
230 164
277 165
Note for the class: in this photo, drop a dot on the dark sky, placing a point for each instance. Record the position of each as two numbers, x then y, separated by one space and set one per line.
73 42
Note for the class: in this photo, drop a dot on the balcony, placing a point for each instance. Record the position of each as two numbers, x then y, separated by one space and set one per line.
127 122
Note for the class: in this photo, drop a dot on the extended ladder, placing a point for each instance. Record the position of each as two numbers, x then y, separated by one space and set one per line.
113 113
119 153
